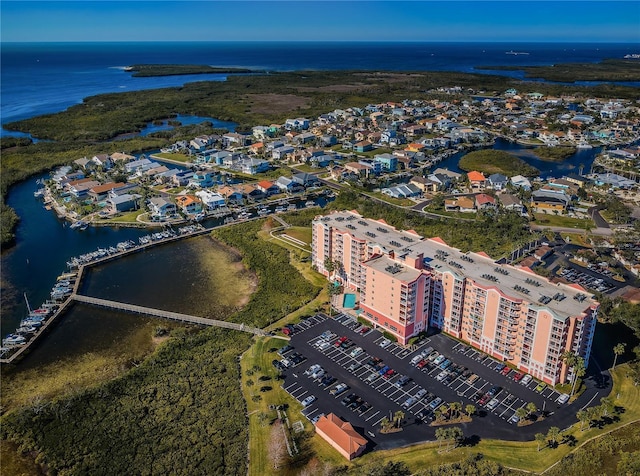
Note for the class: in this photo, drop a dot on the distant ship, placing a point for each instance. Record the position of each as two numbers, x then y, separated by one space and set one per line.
511 52
632 56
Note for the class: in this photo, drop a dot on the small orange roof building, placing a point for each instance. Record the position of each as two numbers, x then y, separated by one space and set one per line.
341 435
475 176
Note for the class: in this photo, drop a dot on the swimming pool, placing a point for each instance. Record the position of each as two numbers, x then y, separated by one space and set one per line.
349 301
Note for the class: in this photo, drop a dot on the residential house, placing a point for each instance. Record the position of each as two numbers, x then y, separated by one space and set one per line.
511 202
402 191
477 180
100 192
363 146
254 166
182 178
546 200
211 200
231 194
461 204
281 153
389 162
423 183
251 192
233 139
287 185
440 180
80 188
189 204
123 203
341 436
161 207
297 124
497 181
520 181
359 169
202 179
84 163
485 202
139 166
305 179
122 157
102 161
267 187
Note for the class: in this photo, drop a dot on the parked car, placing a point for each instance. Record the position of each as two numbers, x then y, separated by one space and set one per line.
323 345
402 381
285 349
312 369
492 403
505 371
409 401
564 398
435 403
541 386
348 399
514 419
356 352
441 375
318 373
383 370
421 393
372 377
364 407
421 364
439 359
526 379
354 366
339 389
308 401
389 373
315 419
384 343
518 376
364 330
339 342
416 359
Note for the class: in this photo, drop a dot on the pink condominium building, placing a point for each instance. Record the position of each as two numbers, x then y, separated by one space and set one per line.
407 283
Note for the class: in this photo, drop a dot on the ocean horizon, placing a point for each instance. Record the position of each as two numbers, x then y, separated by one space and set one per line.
41 78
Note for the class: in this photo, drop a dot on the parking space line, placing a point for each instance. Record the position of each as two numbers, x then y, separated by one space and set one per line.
373 415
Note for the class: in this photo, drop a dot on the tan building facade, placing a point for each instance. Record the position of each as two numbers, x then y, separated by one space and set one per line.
407 283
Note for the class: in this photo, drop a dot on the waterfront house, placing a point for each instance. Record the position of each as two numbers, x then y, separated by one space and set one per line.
520 181
281 153
233 139
100 192
202 180
461 204
423 183
341 436
182 178
189 204
122 157
256 148
267 187
251 192
477 180
139 166
102 161
511 202
211 200
81 187
286 185
497 181
231 194
305 179
123 203
84 163
161 207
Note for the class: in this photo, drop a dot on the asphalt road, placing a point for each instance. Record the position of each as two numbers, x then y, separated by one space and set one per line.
385 398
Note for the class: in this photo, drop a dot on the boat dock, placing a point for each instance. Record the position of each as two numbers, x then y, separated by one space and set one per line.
174 316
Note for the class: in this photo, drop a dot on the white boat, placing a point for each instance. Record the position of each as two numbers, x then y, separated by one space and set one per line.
82 225
584 145
39 193
14 339
511 52
309 203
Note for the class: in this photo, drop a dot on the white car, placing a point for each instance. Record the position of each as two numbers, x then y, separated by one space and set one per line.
564 398
318 373
492 403
356 352
308 401
416 359
312 369
323 345
526 379
384 343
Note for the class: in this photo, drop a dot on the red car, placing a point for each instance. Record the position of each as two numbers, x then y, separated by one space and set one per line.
422 363
505 371
517 377
364 330
340 341
390 373
485 398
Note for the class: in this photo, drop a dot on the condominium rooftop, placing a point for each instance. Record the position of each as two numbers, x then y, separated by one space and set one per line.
516 282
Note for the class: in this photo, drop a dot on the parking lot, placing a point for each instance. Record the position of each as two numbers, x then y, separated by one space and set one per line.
587 280
344 368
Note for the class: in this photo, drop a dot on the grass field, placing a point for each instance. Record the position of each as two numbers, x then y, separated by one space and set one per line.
177 157
548 219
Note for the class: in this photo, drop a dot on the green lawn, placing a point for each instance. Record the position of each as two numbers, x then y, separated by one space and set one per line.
175 156
550 219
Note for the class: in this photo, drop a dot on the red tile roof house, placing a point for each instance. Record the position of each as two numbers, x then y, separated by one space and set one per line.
341 436
484 201
477 180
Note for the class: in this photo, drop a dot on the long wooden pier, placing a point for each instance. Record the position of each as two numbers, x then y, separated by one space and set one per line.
174 316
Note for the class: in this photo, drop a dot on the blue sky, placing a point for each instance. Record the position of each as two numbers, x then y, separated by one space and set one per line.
452 20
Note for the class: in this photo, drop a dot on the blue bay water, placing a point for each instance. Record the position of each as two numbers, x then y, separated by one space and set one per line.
40 78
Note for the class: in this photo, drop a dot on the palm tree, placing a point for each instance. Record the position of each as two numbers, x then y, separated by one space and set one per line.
618 350
582 417
442 434
579 370
470 409
553 434
397 418
531 408
385 423
606 405
457 435
454 409
540 439
522 413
